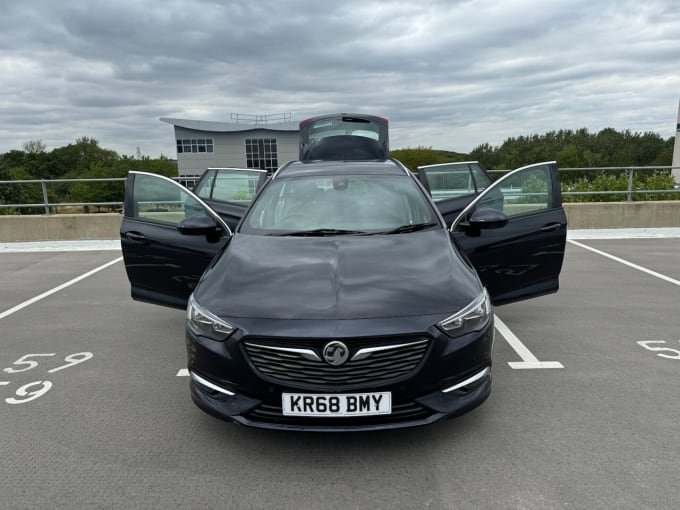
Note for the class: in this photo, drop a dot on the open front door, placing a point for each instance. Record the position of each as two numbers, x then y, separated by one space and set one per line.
514 233
168 236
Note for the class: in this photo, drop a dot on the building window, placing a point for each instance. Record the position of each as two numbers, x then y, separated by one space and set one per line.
261 153
195 145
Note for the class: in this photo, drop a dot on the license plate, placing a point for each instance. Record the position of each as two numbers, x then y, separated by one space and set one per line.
351 404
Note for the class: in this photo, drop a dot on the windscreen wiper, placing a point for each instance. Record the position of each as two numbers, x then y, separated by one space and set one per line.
410 228
322 232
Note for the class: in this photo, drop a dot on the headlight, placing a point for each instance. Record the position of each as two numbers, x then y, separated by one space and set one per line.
203 323
471 318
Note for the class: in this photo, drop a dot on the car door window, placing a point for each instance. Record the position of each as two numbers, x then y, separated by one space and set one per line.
523 192
453 180
163 201
204 186
481 178
236 186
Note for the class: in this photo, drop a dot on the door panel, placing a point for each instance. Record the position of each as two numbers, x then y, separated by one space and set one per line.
229 191
453 186
524 258
162 264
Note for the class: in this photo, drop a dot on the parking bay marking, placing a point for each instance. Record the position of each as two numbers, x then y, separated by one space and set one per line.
626 263
529 361
45 294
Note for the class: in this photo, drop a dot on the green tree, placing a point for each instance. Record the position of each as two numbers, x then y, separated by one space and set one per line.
413 157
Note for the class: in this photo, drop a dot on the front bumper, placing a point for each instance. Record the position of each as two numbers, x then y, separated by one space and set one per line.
453 378
427 409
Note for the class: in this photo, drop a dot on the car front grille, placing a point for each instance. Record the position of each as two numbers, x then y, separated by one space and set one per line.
371 361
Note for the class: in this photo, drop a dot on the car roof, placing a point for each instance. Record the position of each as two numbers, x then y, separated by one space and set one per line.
298 169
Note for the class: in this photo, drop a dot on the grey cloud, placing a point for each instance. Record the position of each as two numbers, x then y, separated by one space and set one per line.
447 74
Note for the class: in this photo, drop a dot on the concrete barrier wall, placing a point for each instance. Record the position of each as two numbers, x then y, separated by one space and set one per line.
623 214
59 227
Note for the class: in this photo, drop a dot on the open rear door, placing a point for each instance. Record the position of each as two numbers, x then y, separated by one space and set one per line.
229 191
453 186
514 233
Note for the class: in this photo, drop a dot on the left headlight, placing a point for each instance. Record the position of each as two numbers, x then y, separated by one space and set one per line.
204 323
471 318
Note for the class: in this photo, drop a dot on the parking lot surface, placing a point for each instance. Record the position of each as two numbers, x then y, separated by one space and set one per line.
95 415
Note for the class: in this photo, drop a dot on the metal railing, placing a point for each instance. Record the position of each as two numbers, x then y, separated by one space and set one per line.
630 190
47 205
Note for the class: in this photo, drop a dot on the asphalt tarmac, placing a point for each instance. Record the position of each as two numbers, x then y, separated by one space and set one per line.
94 414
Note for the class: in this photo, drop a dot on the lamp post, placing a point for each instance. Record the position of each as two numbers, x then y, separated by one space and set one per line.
676 152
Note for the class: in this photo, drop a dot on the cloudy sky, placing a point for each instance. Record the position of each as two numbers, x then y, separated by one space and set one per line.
448 74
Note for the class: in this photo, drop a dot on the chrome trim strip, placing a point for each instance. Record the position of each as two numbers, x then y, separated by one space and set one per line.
448 164
308 354
367 351
400 165
236 168
466 382
285 165
208 384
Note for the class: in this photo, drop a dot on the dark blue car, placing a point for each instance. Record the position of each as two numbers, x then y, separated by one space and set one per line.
346 298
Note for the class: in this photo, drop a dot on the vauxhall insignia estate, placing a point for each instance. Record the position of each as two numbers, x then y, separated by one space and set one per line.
343 292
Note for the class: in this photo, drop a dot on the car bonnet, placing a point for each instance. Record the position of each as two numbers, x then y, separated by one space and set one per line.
338 277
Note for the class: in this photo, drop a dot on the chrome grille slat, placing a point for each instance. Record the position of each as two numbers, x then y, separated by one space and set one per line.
354 367
395 359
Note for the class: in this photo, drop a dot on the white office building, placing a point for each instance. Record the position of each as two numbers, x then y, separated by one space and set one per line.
264 142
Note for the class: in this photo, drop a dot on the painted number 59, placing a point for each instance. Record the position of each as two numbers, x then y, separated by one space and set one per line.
663 352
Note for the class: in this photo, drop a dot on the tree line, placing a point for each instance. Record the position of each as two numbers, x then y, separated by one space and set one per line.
86 159
573 149
570 148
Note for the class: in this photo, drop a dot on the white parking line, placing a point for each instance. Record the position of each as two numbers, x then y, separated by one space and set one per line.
58 246
183 372
35 299
629 264
529 361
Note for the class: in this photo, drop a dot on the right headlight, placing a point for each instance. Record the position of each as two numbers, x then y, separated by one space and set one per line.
471 318
204 323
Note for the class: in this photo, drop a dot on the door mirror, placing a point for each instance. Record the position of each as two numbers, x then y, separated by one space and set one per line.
198 225
486 217
483 218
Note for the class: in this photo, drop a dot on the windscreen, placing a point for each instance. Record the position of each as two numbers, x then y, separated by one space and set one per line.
363 203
